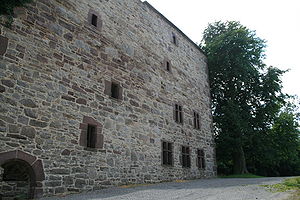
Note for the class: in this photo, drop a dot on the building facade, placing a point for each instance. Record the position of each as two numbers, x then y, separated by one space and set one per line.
100 93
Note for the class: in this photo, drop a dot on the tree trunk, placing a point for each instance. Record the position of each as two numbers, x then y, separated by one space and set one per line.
239 161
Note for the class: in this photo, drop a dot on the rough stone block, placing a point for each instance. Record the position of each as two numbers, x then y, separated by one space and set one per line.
3 45
37 123
28 103
28 131
8 83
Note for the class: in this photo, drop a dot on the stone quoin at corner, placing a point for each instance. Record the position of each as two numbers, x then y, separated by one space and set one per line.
97 94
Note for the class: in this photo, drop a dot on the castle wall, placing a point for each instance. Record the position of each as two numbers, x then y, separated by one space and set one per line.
54 76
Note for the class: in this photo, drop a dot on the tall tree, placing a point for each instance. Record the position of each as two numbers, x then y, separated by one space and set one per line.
246 95
276 152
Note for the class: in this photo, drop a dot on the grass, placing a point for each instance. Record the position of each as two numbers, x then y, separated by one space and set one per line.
291 184
241 176
134 185
149 184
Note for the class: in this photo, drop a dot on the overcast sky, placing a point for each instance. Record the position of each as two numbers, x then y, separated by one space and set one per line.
277 21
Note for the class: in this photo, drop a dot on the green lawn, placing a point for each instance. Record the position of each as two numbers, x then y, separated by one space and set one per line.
241 176
291 184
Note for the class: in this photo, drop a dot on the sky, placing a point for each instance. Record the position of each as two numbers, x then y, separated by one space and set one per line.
276 21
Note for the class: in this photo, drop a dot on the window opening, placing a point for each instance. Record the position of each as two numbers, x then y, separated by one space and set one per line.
91 136
178 114
200 159
168 66
115 90
186 158
167 153
174 39
94 20
196 120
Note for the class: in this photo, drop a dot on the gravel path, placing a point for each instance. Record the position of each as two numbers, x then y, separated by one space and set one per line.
209 189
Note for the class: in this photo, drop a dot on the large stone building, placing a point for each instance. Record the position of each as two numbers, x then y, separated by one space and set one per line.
99 93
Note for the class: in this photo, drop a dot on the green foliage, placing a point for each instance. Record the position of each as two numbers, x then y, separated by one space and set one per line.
277 151
242 176
246 95
7 9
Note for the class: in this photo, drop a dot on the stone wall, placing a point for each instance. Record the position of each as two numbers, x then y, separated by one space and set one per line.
54 76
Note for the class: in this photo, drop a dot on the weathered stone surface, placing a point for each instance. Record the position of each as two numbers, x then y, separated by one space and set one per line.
60 171
2 89
53 183
68 98
23 120
66 152
37 123
133 157
68 180
56 124
2 123
31 113
3 45
53 85
7 83
80 183
16 136
12 128
28 103
28 132
81 101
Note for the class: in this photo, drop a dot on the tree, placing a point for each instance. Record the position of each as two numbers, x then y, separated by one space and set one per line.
7 9
246 95
276 151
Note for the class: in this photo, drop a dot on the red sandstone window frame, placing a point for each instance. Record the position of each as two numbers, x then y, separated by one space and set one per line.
97 140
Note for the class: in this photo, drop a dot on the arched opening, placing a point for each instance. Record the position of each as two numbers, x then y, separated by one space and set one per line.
21 176
18 180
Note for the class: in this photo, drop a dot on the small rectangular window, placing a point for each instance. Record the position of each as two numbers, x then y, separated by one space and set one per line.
168 66
174 39
186 157
178 114
94 20
167 153
115 90
196 120
91 136
200 159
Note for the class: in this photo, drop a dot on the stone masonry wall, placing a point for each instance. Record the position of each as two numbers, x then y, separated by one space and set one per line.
53 75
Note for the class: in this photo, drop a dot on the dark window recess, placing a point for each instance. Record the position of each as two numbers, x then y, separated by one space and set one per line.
167 153
186 157
196 120
91 137
200 159
174 38
178 114
94 20
115 90
168 66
